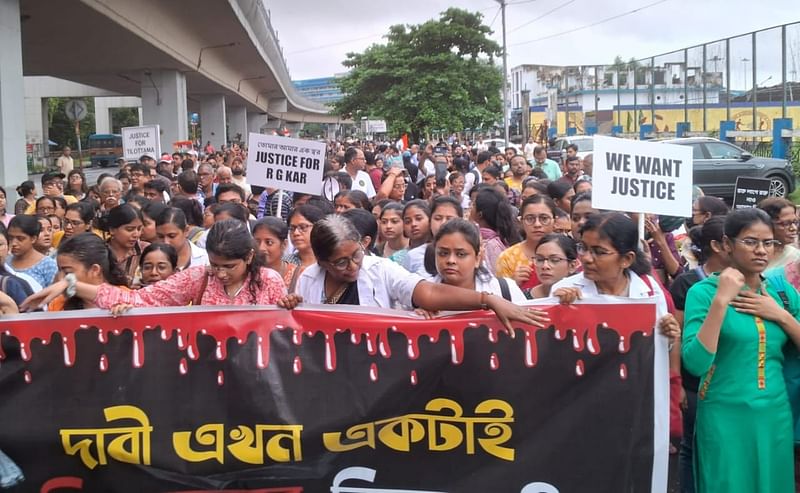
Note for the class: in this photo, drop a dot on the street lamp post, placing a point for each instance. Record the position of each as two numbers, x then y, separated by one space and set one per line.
505 72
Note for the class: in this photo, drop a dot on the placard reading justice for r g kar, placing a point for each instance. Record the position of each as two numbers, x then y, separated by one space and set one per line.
636 176
285 163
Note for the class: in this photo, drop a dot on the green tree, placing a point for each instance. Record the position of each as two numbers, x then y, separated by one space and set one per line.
436 75
62 129
123 117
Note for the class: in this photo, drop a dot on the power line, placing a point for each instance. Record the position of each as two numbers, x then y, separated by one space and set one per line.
495 17
542 16
521 2
607 19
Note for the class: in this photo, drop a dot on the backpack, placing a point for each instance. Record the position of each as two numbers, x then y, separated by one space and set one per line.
474 172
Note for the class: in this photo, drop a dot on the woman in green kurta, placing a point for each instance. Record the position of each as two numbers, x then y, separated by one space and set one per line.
734 334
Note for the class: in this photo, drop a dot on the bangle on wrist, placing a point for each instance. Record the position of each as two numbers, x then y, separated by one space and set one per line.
72 285
485 300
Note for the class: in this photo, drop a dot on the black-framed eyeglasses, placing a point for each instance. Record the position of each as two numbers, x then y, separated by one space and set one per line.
343 263
74 224
553 260
594 251
300 227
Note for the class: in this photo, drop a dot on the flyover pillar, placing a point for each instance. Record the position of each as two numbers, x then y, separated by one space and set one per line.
13 167
213 121
237 123
164 103
256 122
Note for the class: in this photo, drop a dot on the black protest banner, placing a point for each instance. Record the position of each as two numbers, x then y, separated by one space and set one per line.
750 191
265 400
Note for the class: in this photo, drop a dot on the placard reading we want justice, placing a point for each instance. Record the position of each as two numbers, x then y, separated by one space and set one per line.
284 163
636 176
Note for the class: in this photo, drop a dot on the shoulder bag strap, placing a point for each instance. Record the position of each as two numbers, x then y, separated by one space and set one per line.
504 290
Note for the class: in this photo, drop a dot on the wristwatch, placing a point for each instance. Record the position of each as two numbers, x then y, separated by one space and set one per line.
72 285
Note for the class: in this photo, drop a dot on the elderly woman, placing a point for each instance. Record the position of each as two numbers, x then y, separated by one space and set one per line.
344 275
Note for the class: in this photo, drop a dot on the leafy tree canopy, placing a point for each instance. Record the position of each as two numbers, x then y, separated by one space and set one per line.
436 75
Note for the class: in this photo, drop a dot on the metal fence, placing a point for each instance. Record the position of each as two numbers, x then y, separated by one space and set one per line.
746 81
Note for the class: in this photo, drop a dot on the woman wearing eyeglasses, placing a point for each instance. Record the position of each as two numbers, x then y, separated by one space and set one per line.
236 275
344 275
784 226
537 214
301 221
736 328
556 258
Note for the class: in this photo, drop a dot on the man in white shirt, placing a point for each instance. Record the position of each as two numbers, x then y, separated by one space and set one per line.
64 162
528 150
354 164
474 177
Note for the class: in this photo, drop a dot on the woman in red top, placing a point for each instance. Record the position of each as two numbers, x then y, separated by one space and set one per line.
236 276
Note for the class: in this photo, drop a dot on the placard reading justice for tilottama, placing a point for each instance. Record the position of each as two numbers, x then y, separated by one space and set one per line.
636 176
293 165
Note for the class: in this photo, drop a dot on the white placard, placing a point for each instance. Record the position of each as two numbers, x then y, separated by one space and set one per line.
635 176
285 163
141 141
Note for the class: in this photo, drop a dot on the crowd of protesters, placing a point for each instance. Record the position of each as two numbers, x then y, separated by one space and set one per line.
445 226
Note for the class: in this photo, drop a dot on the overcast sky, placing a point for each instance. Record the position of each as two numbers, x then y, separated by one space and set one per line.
317 34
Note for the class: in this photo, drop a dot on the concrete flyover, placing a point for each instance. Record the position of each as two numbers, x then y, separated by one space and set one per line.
220 58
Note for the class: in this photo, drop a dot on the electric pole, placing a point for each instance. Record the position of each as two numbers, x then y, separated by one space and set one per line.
505 73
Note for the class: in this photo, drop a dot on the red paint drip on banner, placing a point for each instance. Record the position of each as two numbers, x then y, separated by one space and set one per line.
223 325
579 370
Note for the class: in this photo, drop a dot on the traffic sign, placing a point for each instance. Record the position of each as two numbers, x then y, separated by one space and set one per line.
76 110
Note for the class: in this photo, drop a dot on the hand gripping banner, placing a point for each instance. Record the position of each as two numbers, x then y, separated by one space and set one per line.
335 399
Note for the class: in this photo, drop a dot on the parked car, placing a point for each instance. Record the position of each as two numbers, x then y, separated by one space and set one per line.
585 145
500 143
717 164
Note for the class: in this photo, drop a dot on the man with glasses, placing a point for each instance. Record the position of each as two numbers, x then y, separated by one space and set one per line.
110 193
140 174
550 167
206 187
354 163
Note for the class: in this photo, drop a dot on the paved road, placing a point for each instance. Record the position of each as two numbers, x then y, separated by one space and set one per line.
91 175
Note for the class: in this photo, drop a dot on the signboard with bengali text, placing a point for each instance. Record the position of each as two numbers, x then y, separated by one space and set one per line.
294 165
318 399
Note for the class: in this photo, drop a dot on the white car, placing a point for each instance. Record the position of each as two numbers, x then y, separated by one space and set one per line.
585 145
501 144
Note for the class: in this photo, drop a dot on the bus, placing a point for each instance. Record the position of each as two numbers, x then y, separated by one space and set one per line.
105 149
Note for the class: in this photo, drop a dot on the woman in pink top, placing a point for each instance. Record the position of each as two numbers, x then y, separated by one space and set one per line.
235 276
